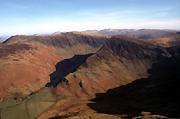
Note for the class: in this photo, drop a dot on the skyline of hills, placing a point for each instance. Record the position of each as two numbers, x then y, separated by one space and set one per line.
108 32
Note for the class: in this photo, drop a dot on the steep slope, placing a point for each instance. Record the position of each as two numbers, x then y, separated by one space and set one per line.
78 66
158 93
117 63
25 68
66 67
30 59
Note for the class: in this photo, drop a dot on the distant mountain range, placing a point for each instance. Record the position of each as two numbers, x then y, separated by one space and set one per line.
141 33
145 34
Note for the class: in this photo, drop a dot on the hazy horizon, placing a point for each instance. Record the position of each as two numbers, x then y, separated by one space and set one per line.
4 36
43 16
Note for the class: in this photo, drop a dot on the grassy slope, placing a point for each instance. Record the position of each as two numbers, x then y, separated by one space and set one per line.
28 108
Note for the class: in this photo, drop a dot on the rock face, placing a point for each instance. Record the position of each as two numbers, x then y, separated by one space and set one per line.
129 74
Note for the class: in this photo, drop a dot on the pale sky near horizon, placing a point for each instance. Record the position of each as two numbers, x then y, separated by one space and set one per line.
48 16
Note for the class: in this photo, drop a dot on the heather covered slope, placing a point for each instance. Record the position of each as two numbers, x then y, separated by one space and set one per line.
117 63
158 93
146 79
27 61
83 66
102 71
23 70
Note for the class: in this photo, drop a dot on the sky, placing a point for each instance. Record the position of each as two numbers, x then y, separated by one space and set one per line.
48 16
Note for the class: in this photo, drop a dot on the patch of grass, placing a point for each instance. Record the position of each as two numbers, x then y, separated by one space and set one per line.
35 108
30 108
15 112
7 103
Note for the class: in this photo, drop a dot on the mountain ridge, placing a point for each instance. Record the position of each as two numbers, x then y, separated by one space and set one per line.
61 60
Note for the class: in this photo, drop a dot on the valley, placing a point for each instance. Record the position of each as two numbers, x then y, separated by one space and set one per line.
105 74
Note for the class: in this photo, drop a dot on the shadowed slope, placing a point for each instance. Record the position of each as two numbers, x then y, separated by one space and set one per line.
119 62
159 93
63 68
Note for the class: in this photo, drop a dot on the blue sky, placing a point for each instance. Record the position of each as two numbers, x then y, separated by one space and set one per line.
48 16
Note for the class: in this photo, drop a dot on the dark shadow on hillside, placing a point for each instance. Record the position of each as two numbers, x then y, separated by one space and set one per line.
63 68
158 94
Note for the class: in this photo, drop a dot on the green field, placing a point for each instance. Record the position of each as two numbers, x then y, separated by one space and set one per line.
30 108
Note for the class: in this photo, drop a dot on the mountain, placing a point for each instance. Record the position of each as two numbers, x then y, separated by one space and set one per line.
136 33
3 38
31 59
157 93
82 75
